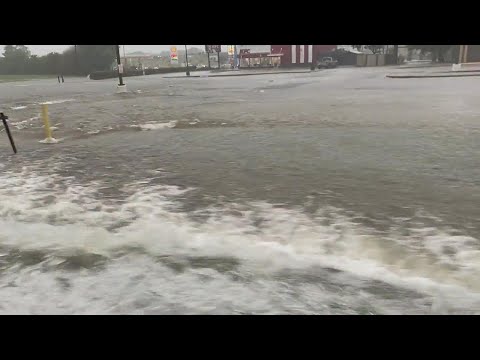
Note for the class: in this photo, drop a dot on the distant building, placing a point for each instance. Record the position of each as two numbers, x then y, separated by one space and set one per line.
470 53
281 55
141 61
254 55
359 49
298 55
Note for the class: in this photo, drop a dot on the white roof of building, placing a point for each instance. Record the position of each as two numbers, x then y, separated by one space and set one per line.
351 49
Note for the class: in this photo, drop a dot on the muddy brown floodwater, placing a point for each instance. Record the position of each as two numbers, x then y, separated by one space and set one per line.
334 192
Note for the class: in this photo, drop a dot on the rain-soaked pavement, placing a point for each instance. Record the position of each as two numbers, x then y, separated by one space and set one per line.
338 191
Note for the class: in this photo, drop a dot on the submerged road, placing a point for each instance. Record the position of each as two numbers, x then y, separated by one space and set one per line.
338 191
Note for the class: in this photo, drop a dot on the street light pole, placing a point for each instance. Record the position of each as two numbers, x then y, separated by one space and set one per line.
395 54
119 66
121 86
186 59
235 57
76 61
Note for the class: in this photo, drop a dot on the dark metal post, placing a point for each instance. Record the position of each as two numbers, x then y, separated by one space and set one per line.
235 57
208 58
76 61
7 129
119 66
186 59
395 54
218 59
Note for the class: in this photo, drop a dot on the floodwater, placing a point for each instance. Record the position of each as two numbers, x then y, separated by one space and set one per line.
334 192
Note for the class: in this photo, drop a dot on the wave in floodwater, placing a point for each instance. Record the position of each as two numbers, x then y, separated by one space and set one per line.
57 101
64 250
155 125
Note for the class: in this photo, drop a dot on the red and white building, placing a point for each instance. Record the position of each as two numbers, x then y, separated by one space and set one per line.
281 55
300 54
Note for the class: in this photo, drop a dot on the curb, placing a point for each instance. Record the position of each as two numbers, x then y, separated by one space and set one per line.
428 76
249 74
404 67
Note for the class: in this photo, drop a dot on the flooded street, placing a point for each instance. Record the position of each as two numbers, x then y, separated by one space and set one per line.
334 192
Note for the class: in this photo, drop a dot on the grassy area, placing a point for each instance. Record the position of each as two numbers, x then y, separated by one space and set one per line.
11 78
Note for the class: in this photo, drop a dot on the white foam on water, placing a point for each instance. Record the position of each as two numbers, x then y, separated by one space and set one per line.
18 107
23 124
59 217
50 141
51 127
59 101
19 125
156 126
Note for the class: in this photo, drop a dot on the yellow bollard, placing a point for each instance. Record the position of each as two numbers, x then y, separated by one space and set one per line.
46 122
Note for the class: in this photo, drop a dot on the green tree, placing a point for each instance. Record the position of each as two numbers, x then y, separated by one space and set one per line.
20 51
88 58
437 51
35 65
53 63
376 49
15 58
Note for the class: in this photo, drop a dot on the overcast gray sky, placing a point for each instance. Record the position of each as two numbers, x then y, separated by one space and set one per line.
45 49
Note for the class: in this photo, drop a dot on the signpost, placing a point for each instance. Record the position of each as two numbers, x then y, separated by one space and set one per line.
7 129
213 49
173 55
187 72
231 54
213 57
121 88
236 60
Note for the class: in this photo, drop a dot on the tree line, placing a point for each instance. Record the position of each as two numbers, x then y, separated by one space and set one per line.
437 52
85 59
76 60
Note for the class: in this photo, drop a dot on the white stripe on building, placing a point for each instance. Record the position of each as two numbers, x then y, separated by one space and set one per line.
302 54
310 53
294 54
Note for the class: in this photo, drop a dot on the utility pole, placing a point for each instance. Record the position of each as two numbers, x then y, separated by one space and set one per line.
395 53
186 60
7 129
235 57
121 86
465 53
460 54
76 62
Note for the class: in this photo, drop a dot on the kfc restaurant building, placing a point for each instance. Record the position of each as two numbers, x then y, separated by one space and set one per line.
281 55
